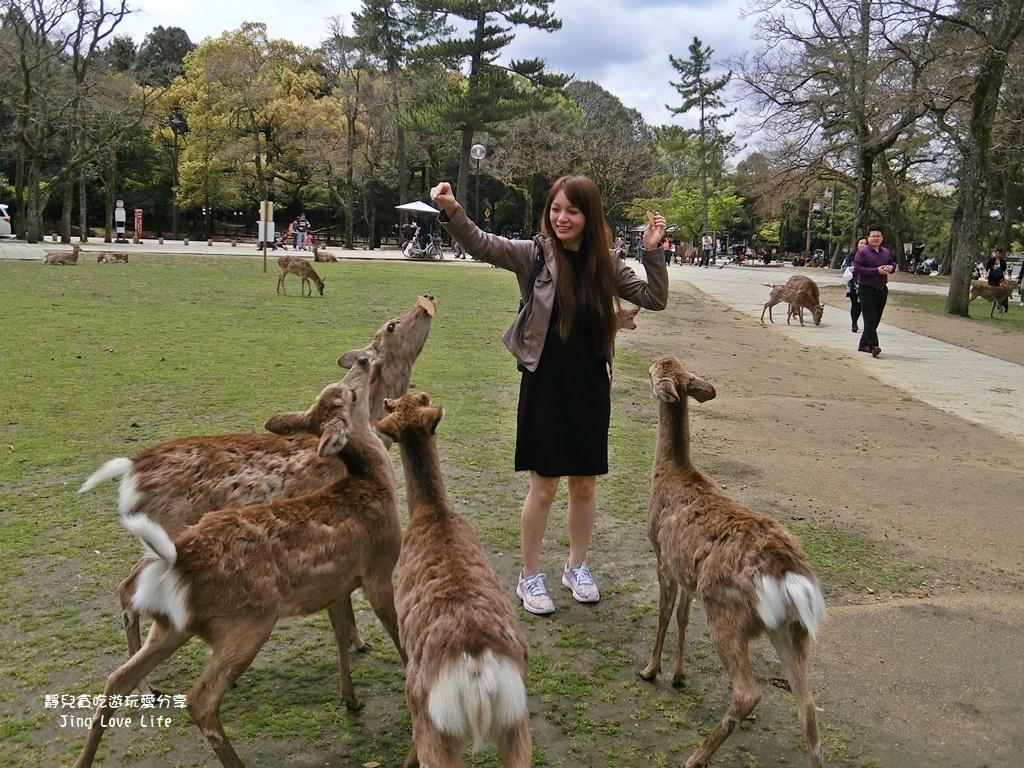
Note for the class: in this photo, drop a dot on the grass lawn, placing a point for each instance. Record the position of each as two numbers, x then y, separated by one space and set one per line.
101 361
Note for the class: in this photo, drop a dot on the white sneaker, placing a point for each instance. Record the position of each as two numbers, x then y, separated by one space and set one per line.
534 594
579 580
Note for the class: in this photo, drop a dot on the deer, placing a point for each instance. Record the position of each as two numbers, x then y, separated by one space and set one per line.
297 265
467 656
178 481
997 294
106 257
797 299
808 297
319 255
750 572
62 257
229 578
625 319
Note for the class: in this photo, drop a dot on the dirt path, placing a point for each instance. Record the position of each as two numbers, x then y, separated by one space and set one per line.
928 674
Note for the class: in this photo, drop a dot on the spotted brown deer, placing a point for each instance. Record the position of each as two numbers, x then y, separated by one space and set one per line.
751 574
178 481
798 296
467 657
229 578
297 265
807 297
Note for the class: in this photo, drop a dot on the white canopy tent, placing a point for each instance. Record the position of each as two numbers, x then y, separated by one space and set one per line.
417 207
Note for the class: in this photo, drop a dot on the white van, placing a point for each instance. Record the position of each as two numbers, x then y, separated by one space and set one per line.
5 222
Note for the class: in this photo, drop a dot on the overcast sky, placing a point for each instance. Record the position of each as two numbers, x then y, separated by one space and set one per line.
623 45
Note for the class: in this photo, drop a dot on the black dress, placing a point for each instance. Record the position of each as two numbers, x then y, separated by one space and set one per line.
565 405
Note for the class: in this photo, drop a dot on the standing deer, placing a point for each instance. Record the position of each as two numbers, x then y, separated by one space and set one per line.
229 578
467 657
997 294
299 266
751 574
176 482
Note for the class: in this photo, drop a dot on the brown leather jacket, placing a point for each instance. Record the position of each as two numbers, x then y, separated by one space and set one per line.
525 337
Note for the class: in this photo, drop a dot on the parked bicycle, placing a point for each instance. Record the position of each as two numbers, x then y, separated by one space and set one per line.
433 251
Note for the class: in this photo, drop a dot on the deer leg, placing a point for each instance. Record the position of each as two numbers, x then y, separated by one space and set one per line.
381 594
436 748
667 590
342 621
357 642
235 644
161 642
792 645
682 620
130 619
515 744
733 650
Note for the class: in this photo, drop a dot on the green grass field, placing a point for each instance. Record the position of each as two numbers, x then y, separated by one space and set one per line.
101 361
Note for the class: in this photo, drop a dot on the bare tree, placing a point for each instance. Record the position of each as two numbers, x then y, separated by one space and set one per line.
836 83
51 53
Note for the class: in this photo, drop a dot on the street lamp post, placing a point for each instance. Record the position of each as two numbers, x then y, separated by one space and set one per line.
478 152
178 127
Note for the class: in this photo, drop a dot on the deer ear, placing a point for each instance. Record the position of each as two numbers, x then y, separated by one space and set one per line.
665 389
700 390
350 358
288 423
332 440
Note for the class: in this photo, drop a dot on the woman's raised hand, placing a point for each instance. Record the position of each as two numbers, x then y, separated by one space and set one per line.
442 195
655 231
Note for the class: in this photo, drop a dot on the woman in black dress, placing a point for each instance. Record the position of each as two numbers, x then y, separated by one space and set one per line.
563 339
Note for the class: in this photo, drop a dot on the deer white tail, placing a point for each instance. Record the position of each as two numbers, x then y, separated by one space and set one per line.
110 470
476 695
160 590
777 599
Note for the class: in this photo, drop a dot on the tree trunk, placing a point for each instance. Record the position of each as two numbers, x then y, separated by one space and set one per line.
33 212
977 143
109 175
895 227
83 223
65 211
462 183
1009 207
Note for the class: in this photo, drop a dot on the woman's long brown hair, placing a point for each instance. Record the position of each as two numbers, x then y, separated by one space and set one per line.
597 284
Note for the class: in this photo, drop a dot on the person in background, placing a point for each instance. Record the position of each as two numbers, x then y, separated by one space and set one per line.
995 270
301 228
851 284
563 338
872 266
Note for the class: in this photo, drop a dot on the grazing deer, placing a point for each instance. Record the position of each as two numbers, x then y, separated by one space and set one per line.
467 657
798 299
230 577
997 294
808 297
299 266
62 257
176 482
751 574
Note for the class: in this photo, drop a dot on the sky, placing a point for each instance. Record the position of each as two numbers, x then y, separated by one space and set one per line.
623 45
